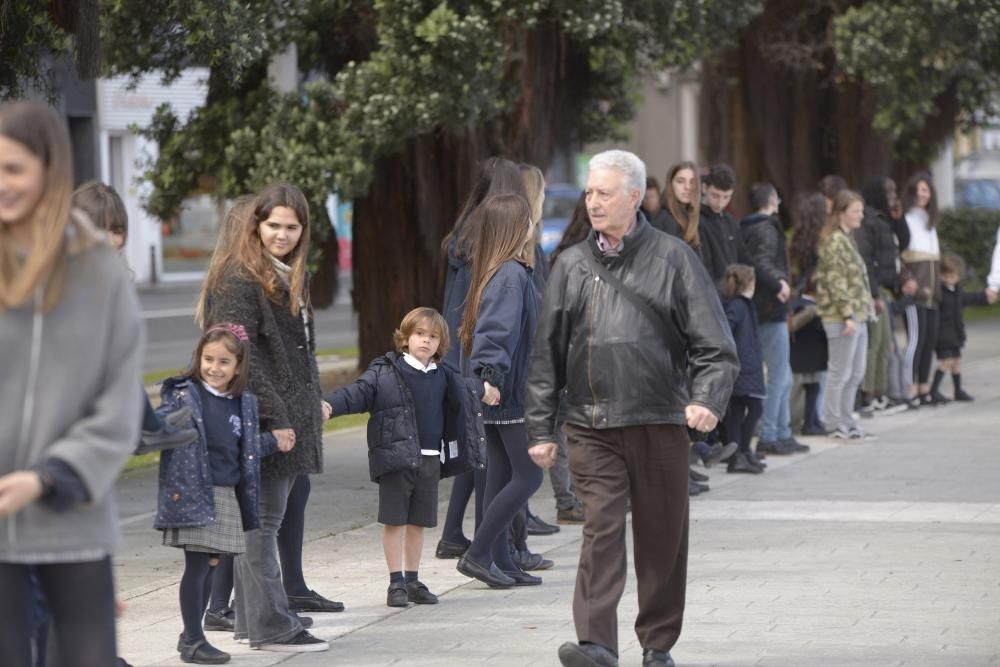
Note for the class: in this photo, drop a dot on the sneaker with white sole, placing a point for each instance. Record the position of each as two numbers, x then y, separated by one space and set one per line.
300 643
858 433
839 434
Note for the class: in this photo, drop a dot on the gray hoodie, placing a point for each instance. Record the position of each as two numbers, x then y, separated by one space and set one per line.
70 390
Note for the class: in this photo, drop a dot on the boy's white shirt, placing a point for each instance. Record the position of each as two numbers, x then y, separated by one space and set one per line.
993 280
415 363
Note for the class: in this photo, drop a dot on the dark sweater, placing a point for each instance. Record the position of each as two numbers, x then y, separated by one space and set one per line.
429 391
720 242
223 428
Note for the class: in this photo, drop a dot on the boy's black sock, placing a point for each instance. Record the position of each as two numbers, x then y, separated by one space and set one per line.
409 576
396 578
956 379
936 385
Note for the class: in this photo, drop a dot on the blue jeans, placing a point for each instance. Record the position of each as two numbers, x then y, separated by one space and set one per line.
774 351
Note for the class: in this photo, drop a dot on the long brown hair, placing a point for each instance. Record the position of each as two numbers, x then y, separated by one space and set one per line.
686 215
841 202
246 254
229 233
497 175
810 218
40 130
504 222
910 197
104 206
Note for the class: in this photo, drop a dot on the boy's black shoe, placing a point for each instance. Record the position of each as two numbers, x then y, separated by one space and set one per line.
586 655
313 602
694 488
775 447
718 452
538 527
526 560
797 447
653 658
450 549
740 463
223 620
758 460
419 594
961 395
696 476
397 595
200 652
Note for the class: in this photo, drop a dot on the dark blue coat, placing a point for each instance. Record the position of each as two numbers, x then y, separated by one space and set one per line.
393 438
742 316
457 277
185 497
505 326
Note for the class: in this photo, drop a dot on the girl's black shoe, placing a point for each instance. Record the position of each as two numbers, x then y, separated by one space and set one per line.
961 395
200 652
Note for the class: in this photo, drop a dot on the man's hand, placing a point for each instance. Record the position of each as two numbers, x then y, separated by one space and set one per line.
286 439
17 490
543 454
879 306
850 328
784 292
491 395
700 418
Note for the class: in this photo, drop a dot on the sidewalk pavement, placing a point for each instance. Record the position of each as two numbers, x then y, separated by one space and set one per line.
866 554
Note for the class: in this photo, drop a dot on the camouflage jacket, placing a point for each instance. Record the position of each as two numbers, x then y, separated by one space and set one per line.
842 288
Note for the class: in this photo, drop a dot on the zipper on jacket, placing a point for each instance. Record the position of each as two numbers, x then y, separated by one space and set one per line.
590 349
24 428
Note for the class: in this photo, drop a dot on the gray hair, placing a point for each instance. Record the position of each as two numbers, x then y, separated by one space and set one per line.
629 164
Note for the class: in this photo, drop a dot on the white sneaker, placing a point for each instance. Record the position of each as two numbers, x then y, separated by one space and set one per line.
858 433
839 434
300 643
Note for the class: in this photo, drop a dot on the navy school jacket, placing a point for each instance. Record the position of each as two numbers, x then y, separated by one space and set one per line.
393 440
185 497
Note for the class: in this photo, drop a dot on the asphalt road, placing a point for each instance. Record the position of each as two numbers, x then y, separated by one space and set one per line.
168 311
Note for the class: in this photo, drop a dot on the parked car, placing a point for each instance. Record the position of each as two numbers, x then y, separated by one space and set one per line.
560 201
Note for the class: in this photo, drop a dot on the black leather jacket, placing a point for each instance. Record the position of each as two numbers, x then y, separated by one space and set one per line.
616 370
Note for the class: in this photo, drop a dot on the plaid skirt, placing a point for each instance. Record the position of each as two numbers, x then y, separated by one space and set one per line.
222 536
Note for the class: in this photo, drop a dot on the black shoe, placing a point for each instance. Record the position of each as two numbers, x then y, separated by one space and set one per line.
419 594
740 463
696 476
925 400
314 602
304 621
573 515
586 655
775 447
491 576
522 578
397 595
813 430
797 447
937 398
538 527
694 488
528 561
653 658
450 549
200 652
758 460
962 396
300 643
223 620
718 452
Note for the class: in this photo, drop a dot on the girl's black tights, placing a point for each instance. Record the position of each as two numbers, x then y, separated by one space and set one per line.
812 405
461 491
81 600
741 419
291 535
196 588
511 478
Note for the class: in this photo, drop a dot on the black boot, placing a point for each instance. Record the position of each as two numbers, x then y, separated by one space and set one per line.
740 463
960 395
936 396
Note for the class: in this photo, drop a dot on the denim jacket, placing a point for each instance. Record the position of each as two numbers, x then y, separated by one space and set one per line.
185 497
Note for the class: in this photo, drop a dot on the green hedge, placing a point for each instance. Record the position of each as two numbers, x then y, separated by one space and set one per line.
971 234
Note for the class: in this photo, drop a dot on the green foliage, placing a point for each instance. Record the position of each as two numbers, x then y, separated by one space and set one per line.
970 233
28 43
917 53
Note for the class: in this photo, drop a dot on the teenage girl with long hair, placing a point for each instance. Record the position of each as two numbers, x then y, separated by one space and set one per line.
681 204
71 346
497 326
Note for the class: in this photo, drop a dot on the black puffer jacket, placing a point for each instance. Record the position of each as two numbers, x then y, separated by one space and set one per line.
393 439
616 369
720 242
877 245
283 370
951 325
764 244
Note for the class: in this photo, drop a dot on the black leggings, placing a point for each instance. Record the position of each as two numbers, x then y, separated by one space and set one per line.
461 491
196 588
291 535
222 584
81 600
921 337
511 478
812 419
741 420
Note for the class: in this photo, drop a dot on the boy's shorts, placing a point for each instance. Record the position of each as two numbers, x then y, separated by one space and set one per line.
949 353
410 496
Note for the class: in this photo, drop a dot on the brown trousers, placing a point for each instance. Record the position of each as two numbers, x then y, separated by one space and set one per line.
648 464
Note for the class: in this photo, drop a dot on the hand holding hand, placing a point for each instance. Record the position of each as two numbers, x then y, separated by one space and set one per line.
286 439
879 306
18 490
327 410
543 454
784 292
991 295
491 395
700 418
850 328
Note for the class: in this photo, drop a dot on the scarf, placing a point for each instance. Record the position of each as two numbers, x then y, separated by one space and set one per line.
285 273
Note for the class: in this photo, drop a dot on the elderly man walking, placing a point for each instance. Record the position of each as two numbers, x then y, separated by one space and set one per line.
630 319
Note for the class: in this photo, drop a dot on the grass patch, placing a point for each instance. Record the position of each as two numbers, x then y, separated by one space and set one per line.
152 377
143 461
350 352
345 422
974 313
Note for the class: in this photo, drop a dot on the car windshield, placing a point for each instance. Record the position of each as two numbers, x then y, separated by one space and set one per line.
979 194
